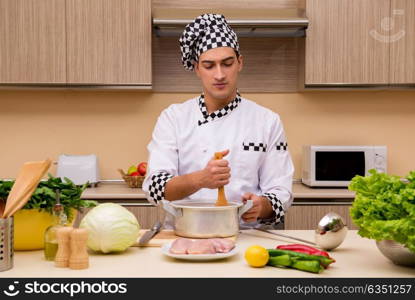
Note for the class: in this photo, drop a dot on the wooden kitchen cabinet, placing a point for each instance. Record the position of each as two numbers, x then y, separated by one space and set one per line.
147 216
109 42
75 42
32 42
402 42
344 44
307 216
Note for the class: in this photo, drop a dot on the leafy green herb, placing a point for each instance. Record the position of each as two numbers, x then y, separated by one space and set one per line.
384 207
5 187
44 197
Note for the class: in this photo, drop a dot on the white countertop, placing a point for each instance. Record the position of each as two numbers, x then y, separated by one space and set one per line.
113 190
355 257
120 190
302 191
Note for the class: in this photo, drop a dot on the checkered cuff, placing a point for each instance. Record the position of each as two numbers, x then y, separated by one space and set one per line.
157 186
278 215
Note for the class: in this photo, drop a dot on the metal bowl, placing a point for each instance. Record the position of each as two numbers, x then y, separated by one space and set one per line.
397 253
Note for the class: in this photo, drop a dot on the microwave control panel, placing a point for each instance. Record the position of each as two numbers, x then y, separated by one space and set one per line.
380 158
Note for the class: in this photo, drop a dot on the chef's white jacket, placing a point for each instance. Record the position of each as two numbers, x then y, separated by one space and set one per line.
186 137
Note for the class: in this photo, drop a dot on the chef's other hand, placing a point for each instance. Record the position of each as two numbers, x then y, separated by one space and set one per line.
261 208
216 173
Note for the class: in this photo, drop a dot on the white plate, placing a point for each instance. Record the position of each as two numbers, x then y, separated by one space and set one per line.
165 249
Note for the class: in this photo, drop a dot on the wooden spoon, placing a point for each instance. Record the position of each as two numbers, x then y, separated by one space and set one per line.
221 201
24 186
22 200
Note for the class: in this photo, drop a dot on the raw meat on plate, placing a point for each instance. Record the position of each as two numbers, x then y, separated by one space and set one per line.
201 246
222 245
180 246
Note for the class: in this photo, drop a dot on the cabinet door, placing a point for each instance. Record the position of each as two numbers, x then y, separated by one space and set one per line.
109 42
32 41
146 215
299 217
343 44
402 42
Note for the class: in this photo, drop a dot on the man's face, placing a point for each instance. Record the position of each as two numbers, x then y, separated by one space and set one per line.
218 70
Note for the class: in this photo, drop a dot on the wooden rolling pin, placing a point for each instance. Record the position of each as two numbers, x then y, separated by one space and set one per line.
221 201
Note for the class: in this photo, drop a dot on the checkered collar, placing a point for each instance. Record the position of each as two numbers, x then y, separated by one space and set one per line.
218 113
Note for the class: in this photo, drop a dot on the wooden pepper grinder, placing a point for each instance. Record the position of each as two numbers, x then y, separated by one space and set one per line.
79 258
63 236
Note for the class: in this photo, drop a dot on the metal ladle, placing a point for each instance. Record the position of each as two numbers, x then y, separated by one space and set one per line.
329 234
331 231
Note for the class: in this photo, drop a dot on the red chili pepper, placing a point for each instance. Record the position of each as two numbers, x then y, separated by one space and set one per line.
304 249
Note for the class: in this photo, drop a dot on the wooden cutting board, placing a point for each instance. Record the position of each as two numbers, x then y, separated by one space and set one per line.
163 237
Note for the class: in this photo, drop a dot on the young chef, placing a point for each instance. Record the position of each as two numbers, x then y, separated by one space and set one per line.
256 163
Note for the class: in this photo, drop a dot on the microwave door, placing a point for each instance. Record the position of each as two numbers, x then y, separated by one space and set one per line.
337 168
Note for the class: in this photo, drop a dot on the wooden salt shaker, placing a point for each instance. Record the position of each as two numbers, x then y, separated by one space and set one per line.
79 258
63 236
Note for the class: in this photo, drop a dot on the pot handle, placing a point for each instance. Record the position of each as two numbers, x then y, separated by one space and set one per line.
170 209
245 208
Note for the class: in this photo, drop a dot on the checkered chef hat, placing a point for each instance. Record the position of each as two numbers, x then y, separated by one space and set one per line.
206 32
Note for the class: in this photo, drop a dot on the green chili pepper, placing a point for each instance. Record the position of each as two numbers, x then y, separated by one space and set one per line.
308 265
324 261
282 260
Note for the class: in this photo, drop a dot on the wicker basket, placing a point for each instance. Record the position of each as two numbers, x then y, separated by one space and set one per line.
132 181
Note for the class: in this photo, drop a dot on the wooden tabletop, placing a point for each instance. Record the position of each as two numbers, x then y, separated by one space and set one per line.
355 257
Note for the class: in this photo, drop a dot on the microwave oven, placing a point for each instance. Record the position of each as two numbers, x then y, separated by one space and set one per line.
335 166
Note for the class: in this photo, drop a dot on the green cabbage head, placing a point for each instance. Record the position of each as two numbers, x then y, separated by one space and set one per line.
111 228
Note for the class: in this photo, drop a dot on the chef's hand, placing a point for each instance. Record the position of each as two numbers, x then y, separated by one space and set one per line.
261 208
216 173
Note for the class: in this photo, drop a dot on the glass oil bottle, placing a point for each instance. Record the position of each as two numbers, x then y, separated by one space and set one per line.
50 240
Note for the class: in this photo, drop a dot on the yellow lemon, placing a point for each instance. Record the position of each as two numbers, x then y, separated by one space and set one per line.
256 256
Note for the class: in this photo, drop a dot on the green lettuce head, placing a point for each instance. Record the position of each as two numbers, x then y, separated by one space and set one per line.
384 207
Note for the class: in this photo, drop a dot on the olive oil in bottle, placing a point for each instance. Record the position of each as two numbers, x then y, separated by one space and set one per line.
50 241
50 250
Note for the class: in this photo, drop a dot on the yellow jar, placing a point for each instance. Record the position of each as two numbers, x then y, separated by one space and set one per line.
30 226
